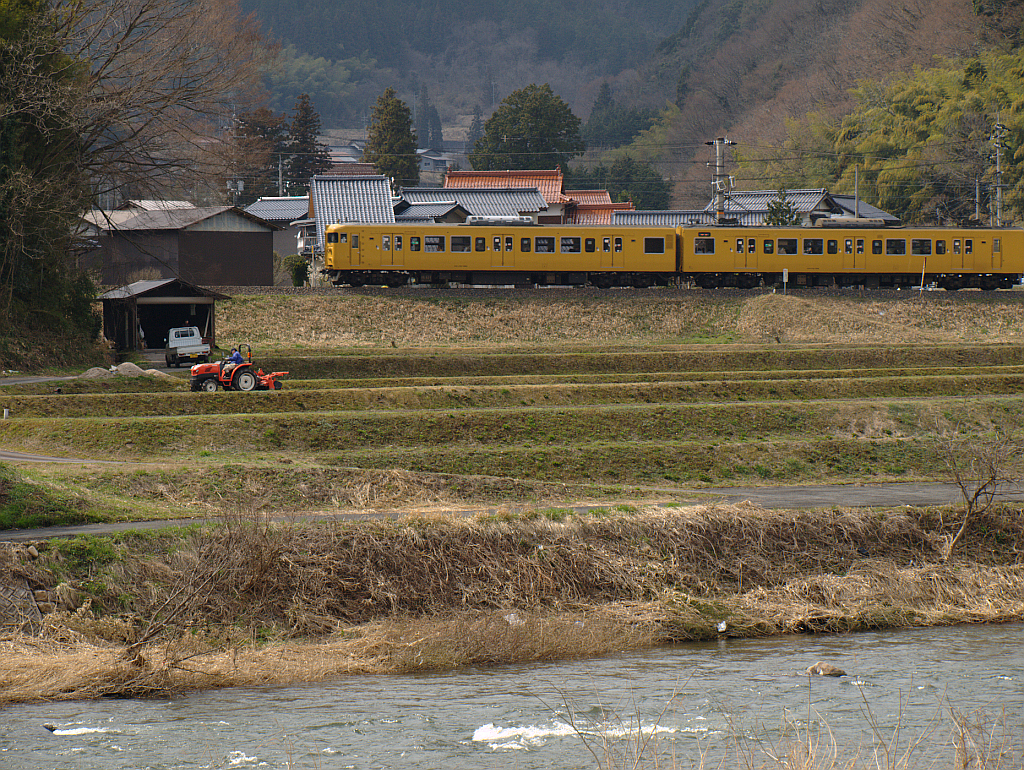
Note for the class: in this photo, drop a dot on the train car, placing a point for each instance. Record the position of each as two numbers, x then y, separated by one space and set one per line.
500 251
852 253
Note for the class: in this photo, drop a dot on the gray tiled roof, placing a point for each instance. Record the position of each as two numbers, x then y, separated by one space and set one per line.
804 201
482 201
662 218
139 288
349 199
848 203
286 209
426 210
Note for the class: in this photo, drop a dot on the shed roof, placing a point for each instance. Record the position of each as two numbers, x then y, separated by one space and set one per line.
161 287
338 199
662 218
549 183
481 202
804 201
150 205
589 196
165 219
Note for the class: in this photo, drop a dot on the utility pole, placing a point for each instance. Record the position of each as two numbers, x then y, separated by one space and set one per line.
280 175
721 183
997 141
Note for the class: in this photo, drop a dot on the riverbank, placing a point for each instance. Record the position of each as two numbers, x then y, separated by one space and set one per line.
248 603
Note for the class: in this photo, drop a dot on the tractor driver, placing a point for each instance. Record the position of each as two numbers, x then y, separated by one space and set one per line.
233 360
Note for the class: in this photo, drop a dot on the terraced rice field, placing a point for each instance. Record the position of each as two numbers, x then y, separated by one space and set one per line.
484 427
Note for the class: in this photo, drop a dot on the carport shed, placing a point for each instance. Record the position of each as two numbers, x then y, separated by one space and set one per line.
140 314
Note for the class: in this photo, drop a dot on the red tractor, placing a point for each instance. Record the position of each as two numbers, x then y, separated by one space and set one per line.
224 374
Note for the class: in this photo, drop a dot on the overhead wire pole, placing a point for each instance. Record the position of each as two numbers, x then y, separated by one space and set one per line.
720 180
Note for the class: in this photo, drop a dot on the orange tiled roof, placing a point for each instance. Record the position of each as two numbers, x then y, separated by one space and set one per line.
598 213
589 196
548 183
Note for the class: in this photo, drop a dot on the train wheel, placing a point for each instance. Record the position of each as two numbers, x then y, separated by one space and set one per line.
357 280
395 280
602 281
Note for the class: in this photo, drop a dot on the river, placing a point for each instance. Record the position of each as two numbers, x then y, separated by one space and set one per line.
690 700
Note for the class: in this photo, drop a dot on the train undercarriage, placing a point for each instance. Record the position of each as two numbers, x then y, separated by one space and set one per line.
748 280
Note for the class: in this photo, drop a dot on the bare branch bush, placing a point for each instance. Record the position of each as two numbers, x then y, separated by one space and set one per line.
980 465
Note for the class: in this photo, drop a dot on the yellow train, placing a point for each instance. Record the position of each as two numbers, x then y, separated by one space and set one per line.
515 251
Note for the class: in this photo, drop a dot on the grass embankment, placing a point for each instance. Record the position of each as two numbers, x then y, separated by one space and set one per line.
631 416
197 608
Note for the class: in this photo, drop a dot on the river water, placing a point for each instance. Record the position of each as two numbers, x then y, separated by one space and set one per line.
689 701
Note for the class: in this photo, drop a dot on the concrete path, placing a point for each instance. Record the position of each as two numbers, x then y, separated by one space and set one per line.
818 496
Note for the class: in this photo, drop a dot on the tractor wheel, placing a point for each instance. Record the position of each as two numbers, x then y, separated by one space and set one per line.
245 382
210 385
278 384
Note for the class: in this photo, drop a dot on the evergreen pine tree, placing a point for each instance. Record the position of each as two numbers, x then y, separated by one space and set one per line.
781 211
476 128
436 138
261 139
308 156
533 128
391 142
422 125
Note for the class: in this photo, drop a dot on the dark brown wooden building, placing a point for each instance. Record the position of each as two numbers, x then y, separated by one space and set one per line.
213 246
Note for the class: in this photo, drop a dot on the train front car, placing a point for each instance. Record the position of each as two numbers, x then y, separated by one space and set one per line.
506 251
852 253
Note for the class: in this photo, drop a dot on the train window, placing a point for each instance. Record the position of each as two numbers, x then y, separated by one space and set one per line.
461 243
414 243
814 246
940 247
921 246
876 247
570 245
703 245
332 237
508 243
968 245
996 245
524 244
895 246
606 244
480 244
355 241
497 243
769 247
848 246
343 238
956 245
433 243
787 245
385 242
398 243
751 245
654 245
739 245
860 245
544 245
590 244
833 247
618 244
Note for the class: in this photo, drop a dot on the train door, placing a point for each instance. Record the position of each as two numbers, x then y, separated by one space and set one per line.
355 253
997 254
392 250
611 251
502 251
853 254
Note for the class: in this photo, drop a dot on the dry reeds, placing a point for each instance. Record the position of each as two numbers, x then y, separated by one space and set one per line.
434 593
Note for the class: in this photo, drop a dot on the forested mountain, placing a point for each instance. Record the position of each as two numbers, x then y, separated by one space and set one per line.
791 81
468 53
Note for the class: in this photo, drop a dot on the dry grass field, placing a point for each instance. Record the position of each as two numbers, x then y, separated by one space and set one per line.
534 455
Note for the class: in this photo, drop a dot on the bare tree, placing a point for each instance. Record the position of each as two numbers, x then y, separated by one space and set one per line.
163 80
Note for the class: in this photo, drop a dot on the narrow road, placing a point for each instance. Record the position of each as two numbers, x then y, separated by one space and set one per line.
815 496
